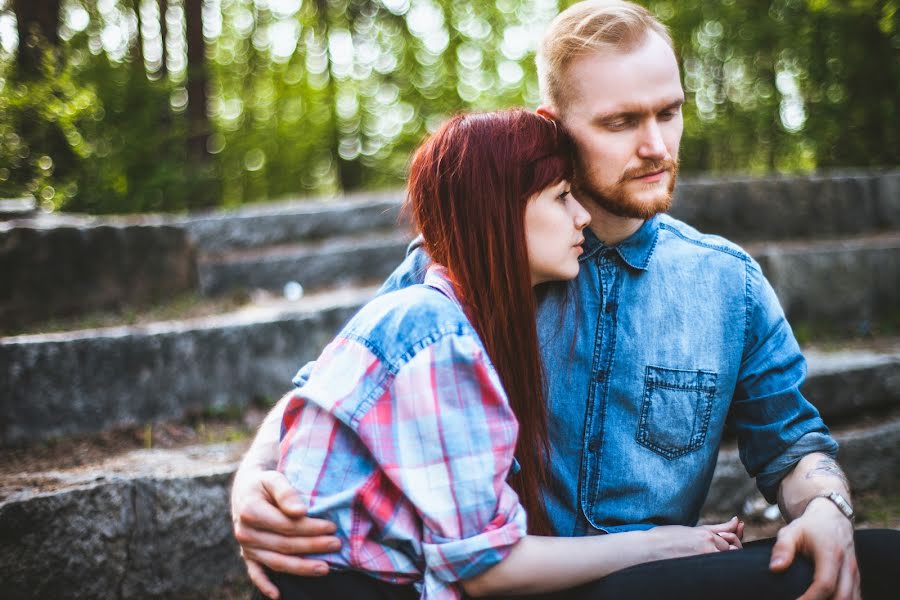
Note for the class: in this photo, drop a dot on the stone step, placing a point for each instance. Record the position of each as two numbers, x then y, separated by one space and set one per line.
289 222
847 383
69 383
779 208
148 524
366 257
845 283
740 208
155 523
869 454
60 384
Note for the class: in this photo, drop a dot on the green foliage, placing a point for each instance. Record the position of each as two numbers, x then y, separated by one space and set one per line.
327 95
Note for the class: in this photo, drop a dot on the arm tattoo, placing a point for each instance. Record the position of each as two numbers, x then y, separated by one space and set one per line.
827 467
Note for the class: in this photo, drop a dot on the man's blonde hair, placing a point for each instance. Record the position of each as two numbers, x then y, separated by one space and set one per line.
592 26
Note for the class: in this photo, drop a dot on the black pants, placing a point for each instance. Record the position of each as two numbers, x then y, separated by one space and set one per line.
736 575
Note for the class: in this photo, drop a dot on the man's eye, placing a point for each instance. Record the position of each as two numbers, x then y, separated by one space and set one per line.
619 125
667 115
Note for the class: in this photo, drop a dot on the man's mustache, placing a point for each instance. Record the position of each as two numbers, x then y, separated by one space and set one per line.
649 167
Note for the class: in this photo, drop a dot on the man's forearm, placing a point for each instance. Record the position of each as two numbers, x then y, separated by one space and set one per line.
814 475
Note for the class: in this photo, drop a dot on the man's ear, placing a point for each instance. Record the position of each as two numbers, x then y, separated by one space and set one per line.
547 111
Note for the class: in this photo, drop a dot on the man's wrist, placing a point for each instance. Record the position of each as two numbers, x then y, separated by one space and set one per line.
837 501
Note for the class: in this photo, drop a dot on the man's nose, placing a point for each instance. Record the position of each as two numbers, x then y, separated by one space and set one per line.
652 145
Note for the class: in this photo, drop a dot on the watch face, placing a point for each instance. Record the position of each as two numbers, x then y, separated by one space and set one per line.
842 504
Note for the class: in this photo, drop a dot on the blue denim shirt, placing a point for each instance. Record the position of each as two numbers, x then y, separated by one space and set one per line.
660 342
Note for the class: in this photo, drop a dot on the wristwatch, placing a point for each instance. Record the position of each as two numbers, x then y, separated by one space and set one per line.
841 503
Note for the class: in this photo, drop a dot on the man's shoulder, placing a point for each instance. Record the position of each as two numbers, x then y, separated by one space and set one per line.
680 238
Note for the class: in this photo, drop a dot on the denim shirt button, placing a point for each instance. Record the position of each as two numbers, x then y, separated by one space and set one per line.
611 307
600 375
594 444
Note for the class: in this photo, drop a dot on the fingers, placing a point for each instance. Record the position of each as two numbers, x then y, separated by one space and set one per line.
848 585
267 517
730 525
784 550
283 544
284 563
740 530
261 580
824 582
283 495
734 542
721 544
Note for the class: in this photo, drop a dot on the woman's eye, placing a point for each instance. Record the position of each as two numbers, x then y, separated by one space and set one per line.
563 195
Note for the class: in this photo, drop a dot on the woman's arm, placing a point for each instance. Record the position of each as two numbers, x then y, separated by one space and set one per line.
545 564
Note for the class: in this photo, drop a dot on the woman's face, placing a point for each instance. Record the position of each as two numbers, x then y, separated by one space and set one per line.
554 221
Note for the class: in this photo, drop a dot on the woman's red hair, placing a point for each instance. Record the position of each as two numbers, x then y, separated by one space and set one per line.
469 185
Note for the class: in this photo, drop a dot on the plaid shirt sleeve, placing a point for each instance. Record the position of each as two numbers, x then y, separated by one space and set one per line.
444 434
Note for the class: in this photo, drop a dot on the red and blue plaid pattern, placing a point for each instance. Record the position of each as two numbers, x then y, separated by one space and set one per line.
408 457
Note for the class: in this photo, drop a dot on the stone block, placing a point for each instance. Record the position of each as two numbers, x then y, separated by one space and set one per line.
155 526
345 261
255 226
838 284
781 208
64 269
71 383
870 456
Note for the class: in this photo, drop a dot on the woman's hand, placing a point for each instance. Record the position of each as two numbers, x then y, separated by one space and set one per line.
674 541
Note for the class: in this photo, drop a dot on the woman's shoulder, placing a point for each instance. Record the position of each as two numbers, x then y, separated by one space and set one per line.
398 324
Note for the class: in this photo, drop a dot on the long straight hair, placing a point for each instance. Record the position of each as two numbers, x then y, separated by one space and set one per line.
469 185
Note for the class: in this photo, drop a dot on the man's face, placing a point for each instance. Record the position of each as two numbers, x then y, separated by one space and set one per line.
624 112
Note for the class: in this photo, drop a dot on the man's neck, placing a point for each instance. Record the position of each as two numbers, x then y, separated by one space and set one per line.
609 228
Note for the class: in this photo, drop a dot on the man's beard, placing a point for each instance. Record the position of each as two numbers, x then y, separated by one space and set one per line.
616 199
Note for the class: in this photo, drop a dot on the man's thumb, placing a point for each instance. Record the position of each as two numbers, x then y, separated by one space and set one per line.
783 551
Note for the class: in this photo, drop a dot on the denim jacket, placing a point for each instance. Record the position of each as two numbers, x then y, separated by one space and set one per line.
658 344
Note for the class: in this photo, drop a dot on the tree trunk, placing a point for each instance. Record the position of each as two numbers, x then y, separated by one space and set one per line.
38 27
349 174
163 31
139 38
198 124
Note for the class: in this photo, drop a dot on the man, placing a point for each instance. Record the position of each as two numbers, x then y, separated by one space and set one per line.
675 333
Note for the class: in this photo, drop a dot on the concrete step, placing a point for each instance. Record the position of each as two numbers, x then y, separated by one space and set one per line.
78 382
856 380
365 257
147 524
869 454
780 208
155 523
739 208
289 222
87 381
845 283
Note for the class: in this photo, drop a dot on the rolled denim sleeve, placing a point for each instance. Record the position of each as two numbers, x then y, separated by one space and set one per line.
776 426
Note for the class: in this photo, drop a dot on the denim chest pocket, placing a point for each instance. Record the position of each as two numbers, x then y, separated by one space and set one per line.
676 409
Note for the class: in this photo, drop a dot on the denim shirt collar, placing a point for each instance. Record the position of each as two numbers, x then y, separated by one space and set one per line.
635 250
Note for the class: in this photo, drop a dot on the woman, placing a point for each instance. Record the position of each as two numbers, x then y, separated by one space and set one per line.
422 430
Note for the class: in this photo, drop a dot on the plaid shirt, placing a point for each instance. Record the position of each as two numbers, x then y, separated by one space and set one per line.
403 437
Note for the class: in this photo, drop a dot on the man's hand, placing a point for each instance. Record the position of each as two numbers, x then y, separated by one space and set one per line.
825 535
271 525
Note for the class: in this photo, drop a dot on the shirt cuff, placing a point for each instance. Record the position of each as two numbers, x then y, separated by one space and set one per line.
450 560
770 477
